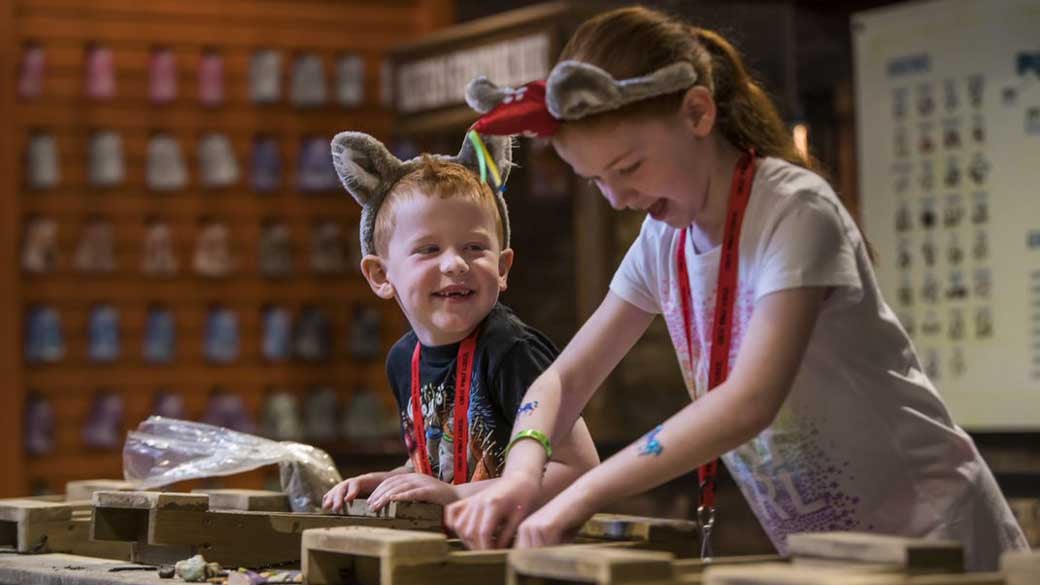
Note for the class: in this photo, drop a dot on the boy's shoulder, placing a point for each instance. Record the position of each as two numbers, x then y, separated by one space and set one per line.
505 336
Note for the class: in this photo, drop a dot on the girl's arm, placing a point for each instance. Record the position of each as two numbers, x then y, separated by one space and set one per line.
575 455
553 404
571 458
730 415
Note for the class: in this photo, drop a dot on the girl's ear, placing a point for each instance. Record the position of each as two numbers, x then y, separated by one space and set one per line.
374 269
483 96
575 89
365 167
698 111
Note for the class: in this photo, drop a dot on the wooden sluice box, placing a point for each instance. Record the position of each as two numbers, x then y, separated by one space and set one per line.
239 528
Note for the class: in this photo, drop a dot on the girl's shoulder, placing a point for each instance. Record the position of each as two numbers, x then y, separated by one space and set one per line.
784 180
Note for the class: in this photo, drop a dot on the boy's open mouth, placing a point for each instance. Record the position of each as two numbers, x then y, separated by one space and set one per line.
454 292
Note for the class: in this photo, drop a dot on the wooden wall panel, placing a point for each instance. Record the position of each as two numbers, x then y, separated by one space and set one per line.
133 30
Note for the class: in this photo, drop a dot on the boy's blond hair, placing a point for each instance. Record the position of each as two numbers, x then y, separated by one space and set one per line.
433 178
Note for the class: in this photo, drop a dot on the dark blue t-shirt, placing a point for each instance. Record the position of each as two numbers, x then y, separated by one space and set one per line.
509 356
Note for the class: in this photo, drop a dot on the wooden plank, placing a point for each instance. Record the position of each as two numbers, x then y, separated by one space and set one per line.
679 537
247 500
83 489
243 119
394 557
12 451
36 526
114 32
72 569
391 16
782 574
273 537
1021 567
910 554
687 568
607 566
140 500
431 513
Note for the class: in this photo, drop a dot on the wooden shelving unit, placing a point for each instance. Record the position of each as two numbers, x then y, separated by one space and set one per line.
235 29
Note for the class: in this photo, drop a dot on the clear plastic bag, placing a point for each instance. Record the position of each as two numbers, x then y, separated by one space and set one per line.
165 450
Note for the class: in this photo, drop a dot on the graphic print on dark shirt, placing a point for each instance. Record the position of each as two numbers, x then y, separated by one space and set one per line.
510 355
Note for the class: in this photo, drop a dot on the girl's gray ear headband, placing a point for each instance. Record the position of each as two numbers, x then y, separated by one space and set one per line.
368 170
574 90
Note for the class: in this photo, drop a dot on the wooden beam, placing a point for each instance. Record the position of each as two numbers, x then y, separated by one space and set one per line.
907 554
1021 567
12 480
606 566
250 500
679 537
84 489
36 526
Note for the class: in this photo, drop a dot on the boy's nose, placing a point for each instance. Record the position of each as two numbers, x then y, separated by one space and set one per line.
453 263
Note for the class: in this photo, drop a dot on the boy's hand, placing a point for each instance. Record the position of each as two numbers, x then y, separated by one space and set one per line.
348 489
412 487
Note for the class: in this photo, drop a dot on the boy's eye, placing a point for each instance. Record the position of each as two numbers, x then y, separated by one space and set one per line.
431 249
630 168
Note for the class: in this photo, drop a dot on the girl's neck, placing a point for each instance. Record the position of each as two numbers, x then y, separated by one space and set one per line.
707 229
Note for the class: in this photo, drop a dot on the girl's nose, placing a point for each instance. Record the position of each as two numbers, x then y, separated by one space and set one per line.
618 196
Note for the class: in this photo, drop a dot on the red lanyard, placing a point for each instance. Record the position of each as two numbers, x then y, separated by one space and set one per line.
463 379
725 297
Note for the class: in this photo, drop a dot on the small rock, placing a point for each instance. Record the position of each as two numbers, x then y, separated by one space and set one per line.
166 573
192 570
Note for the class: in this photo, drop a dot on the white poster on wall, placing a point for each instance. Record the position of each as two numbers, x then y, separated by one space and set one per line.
948 116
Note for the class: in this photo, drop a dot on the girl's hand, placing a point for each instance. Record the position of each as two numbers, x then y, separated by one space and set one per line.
552 524
489 518
349 489
412 487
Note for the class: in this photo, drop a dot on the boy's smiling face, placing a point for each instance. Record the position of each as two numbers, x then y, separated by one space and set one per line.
443 263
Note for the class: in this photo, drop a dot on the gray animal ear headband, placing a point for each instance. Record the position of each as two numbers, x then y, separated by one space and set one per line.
368 171
574 90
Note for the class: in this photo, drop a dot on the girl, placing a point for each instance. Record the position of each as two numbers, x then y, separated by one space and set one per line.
825 418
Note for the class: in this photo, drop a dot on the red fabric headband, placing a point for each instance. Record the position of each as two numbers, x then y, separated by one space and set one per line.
522 112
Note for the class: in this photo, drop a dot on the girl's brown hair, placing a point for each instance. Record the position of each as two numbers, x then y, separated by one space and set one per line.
635 41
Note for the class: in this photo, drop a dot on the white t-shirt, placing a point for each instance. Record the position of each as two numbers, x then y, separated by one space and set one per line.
863 441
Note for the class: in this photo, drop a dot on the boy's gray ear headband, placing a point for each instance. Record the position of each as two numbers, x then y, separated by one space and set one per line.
574 90
368 171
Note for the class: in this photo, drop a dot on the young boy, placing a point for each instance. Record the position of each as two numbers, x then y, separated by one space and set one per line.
435 238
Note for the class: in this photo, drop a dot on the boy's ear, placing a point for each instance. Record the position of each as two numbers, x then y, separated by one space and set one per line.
374 269
505 262
699 111
364 166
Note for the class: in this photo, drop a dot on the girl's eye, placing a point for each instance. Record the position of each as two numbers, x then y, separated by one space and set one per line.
476 247
630 169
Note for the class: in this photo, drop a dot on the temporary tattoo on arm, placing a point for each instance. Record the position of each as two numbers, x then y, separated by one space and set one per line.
527 408
652 446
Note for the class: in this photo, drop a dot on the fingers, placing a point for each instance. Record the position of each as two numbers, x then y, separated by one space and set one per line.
334 498
509 527
487 526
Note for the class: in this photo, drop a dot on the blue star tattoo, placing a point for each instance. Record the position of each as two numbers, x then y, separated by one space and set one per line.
652 446
527 408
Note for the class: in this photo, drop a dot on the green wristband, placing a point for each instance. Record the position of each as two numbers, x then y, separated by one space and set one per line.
534 435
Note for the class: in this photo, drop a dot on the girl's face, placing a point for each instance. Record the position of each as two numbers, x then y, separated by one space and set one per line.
660 164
